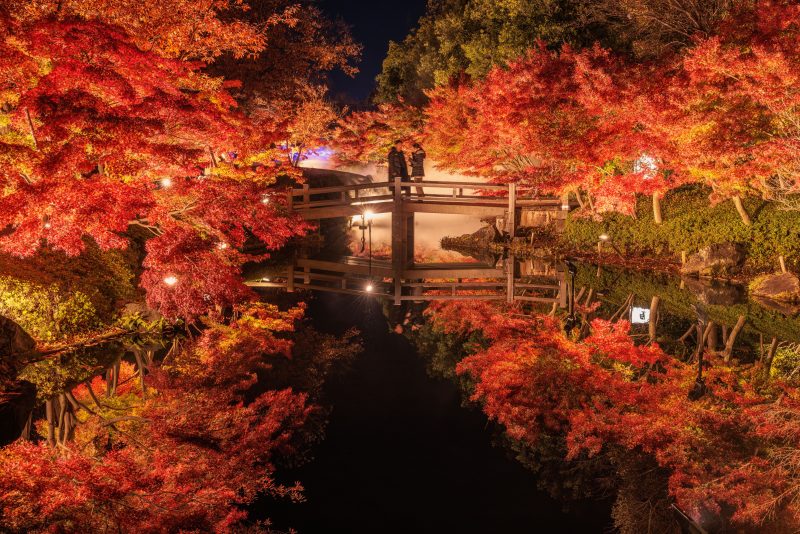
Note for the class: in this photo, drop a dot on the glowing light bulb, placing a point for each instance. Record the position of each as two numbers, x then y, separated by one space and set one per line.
265 199
369 215
166 182
222 245
369 288
47 225
604 237
170 280
265 280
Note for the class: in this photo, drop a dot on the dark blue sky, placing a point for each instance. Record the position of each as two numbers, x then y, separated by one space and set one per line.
374 24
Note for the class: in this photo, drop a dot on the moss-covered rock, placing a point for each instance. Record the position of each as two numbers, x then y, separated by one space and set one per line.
783 287
719 259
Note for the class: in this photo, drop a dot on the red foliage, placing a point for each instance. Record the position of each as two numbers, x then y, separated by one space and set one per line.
118 136
730 448
183 459
559 121
367 136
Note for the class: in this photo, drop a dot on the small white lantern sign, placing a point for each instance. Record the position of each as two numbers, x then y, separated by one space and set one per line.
640 315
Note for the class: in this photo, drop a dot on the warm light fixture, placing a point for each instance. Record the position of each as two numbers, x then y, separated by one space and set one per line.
222 245
368 215
604 237
166 182
47 225
170 280
647 166
265 279
369 288
265 199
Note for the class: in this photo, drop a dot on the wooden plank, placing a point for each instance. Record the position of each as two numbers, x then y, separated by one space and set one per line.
266 285
380 270
464 185
537 286
440 274
537 299
354 292
458 285
451 297
343 188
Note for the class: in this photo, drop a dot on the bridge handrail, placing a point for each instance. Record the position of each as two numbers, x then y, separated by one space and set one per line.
341 188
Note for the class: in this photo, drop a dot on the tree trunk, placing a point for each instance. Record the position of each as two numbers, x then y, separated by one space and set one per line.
26 430
62 419
737 201
732 337
713 337
770 356
651 327
51 429
140 365
580 199
657 208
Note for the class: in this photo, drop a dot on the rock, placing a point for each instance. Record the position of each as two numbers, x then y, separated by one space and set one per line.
16 403
476 244
714 293
13 339
783 287
716 260
789 310
14 342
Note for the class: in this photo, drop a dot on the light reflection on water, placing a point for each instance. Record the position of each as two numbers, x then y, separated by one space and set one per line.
429 229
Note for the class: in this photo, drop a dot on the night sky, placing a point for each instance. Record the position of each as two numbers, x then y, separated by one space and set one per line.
374 23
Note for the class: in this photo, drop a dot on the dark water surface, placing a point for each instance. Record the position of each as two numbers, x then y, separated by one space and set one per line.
401 454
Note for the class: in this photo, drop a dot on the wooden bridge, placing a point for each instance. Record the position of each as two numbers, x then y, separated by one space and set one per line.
463 198
402 279
421 282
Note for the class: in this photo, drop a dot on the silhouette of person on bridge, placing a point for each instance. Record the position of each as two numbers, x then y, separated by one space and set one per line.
418 167
398 168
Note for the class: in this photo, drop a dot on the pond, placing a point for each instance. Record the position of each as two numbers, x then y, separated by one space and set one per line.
406 451
403 454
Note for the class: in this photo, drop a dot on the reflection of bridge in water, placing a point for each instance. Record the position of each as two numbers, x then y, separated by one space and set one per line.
401 279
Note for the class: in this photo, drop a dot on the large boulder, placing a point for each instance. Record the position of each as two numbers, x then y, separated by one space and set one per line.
16 403
783 287
15 343
721 259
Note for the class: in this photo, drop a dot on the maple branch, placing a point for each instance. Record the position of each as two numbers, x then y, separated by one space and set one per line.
30 127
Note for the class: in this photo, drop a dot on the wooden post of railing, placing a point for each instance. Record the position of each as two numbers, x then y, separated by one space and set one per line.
290 198
290 279
398 235
510 290
512 209
565 202
306 195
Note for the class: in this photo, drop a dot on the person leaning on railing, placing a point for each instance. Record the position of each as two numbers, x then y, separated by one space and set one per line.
418 167
397 165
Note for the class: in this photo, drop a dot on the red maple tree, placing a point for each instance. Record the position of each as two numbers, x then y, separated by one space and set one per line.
102 135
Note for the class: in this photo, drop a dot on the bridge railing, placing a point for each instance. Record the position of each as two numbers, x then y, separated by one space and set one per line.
433 191
349 280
